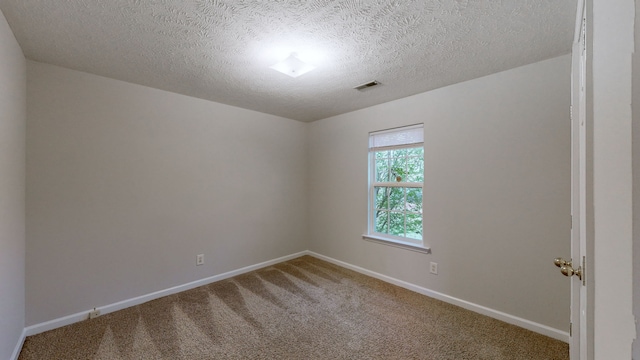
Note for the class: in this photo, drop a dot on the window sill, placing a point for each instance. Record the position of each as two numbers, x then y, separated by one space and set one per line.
396 243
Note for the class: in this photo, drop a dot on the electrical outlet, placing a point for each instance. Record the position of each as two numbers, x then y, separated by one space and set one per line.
94 313
434 268
199 259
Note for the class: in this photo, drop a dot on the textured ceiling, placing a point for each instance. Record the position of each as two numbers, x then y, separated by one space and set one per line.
221 50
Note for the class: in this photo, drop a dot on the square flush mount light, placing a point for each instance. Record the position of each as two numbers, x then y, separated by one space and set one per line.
293 66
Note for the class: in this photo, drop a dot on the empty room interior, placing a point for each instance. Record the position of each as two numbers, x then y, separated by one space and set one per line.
150 151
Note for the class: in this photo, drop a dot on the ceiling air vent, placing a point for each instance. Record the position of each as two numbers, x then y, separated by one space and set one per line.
367 85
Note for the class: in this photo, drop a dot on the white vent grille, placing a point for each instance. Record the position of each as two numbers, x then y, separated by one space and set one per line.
367 85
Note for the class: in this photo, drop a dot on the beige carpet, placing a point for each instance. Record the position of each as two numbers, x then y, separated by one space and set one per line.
300 309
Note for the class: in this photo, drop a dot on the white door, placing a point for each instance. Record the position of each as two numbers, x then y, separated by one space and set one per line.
575 267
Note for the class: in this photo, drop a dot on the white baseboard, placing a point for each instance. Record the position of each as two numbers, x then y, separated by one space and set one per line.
77 317
514 320
16 351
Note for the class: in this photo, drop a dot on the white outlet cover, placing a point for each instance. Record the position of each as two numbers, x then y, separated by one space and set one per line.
434 268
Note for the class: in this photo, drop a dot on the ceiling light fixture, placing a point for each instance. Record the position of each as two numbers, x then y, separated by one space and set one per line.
293 66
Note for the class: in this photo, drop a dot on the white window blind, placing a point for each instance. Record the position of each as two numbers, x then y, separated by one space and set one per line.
408 135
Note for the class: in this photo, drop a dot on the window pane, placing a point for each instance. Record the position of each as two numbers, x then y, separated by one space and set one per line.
416 151
414 200
382 221
398 169
396 198
382 166
400 153
414 226
380 197
396 224
415 169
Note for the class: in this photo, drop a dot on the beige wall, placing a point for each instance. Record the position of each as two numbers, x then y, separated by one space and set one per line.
12 203
496 198
126 184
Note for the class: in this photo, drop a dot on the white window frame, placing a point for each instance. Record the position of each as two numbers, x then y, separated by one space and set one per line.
383 238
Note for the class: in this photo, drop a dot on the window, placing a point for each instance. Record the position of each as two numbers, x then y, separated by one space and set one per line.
396 164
